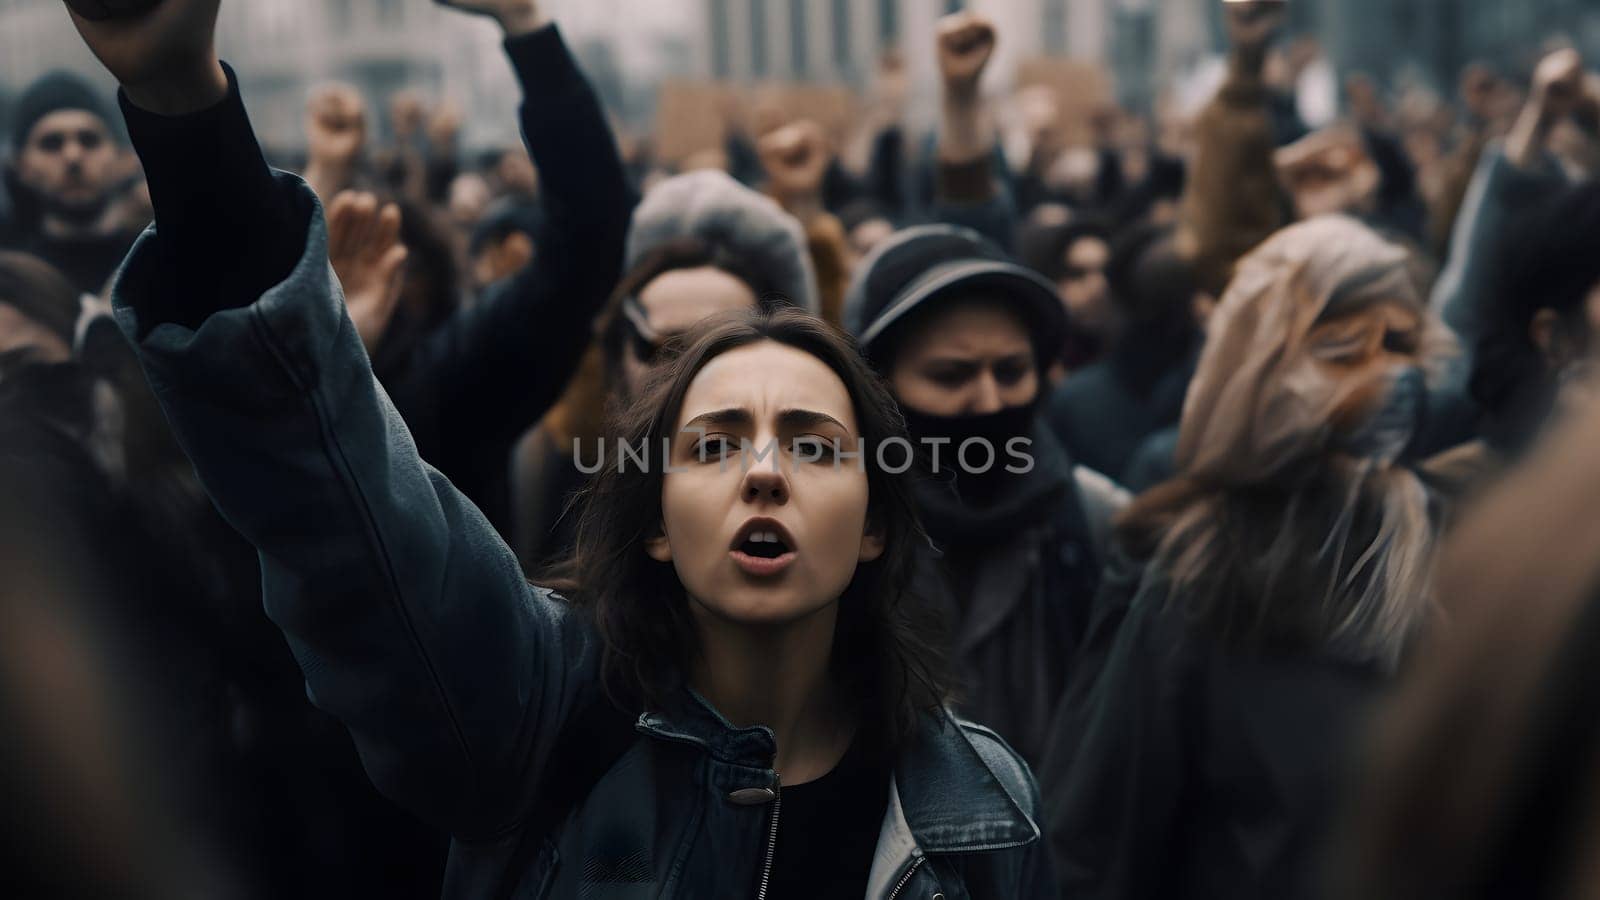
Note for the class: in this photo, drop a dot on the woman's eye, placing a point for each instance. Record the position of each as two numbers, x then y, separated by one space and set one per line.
714 448
949 379
814 449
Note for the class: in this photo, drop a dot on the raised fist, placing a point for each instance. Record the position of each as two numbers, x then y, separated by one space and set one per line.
336 125
796 158
515 16
1328 172
1558 83
99 10
966 43
161 51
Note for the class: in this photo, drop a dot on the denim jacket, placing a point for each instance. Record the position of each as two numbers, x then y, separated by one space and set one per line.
413 624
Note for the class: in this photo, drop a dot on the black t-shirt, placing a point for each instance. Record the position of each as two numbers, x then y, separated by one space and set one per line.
828 830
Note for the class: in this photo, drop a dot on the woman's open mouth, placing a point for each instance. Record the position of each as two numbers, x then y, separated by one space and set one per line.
763 551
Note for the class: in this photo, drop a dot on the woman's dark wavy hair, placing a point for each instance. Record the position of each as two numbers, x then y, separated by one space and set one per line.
886 643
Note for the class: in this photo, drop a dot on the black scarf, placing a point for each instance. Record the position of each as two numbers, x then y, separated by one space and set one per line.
966 507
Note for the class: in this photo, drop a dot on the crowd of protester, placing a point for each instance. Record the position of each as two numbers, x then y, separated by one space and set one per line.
323 572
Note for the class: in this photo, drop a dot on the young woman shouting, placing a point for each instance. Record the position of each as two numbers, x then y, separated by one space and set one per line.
734 698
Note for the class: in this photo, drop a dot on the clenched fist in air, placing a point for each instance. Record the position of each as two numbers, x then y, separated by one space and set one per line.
966 43
163 53
515 16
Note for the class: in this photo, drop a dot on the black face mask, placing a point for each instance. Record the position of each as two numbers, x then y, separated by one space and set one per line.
1389 433
977 474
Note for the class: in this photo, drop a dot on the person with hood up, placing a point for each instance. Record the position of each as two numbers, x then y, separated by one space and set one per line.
964 336
1267 593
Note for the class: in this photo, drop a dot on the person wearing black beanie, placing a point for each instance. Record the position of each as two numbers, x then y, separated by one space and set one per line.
67 171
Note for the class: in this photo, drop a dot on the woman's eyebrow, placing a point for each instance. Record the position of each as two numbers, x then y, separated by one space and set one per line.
721 418
807 418
736 417
952 362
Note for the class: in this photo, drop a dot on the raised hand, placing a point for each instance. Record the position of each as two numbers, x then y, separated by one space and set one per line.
365 251
163 55
966 42
336 125
515 16
1558 85
1558 91
1328 172
796 159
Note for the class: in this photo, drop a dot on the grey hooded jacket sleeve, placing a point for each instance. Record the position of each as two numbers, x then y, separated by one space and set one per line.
408 615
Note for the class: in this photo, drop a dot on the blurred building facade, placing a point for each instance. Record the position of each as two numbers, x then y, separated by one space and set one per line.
842 40
1146 43
282 47
1426 40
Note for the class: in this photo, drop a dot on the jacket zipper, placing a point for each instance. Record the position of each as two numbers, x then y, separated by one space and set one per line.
772 839
906 878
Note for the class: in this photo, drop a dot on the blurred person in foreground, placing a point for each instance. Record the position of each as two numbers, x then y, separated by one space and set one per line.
68 174
1480 778
93 775
1266 595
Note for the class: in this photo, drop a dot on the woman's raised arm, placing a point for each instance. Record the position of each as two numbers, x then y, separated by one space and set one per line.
408 615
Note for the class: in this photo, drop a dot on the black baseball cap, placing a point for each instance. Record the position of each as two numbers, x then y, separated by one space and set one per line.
929 264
